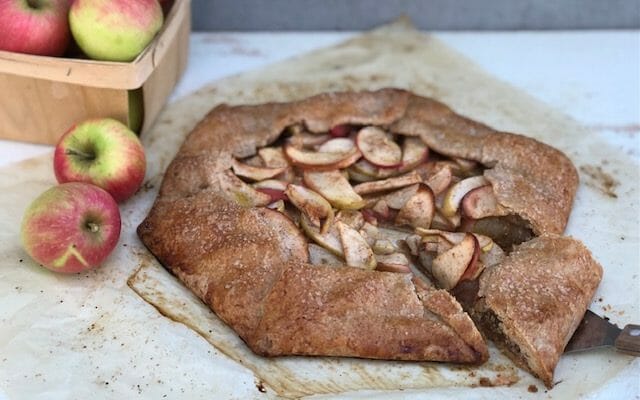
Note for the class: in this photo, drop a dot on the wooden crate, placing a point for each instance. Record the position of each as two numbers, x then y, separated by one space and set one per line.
42 97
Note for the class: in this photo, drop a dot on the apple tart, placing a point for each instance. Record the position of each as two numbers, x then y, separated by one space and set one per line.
339 225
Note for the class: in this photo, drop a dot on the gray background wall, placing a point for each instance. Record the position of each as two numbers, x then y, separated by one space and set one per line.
260 15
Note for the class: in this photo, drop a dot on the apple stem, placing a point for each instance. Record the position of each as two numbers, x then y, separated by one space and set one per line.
87 156
93 227
34 4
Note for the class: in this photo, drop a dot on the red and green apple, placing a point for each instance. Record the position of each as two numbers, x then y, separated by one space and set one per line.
36 27
103 152
114 30
71 227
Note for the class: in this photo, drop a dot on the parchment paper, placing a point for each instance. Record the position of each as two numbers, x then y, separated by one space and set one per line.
92 336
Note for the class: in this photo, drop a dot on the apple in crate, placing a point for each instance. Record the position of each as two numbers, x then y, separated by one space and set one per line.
71 227
114 30
36 27
103 152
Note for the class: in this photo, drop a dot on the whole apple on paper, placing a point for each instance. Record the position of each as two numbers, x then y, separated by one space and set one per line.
114 30
71 227
38 27
103 152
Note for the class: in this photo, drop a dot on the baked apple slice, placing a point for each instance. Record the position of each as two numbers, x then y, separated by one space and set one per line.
273 157
456 193
337 145
306 139
437 175
356 176
419 210
334 187
481 202
240 192
449 267
273 187
388 184
414 153
353 218
383 247
357 252
315 160
382 212
466 166
314 206
378 148
254 173
330 240
395 262
436 243
364 167
277 205
396 199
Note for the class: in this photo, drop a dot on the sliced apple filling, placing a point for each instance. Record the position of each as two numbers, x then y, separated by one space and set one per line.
368 198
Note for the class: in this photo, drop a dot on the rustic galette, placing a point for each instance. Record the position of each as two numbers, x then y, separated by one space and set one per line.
342 224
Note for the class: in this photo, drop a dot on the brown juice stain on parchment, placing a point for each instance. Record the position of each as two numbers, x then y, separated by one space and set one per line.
303 376
600 180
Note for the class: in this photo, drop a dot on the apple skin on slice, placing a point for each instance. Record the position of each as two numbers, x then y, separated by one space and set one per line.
334 187
273 187
456 193
419 210
449 267
388 184
255 173
357 252
378 148
341 130
314 206
236 190
313 160
273 193
481 203
395 262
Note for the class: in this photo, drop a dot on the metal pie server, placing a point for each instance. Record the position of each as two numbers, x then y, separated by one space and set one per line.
595 331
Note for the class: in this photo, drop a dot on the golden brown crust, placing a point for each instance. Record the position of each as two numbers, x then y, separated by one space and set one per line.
539 295
227 255
529 178
320 310
246 263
